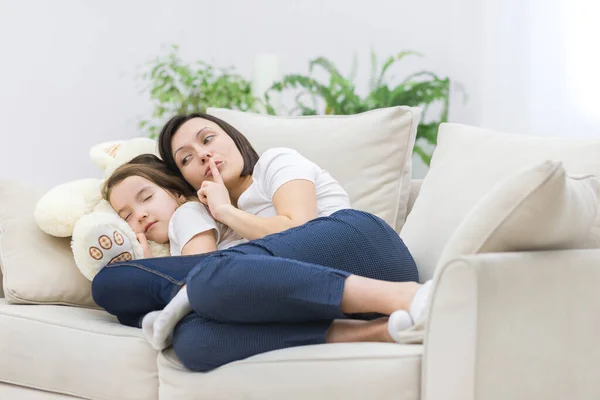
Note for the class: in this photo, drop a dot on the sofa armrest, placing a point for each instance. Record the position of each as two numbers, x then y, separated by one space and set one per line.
515 326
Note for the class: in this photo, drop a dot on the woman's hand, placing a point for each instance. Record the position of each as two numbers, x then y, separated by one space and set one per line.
214 194
141 237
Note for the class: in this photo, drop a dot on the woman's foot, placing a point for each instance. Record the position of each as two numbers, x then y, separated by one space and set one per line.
397 322
401 320
419 303
353 331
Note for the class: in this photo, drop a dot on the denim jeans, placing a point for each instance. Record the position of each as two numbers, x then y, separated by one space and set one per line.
280 291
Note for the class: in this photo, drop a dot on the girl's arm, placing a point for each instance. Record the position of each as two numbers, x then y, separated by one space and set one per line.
192 230
203 242
295 203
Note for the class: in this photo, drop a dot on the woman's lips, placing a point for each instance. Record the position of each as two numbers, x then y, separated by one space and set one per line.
208 172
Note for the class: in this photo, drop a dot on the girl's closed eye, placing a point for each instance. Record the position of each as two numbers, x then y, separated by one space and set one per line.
127 217
147 198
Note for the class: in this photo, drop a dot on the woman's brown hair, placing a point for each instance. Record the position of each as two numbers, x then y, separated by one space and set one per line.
165 138
150 167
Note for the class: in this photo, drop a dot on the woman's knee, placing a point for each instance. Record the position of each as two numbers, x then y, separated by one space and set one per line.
196 344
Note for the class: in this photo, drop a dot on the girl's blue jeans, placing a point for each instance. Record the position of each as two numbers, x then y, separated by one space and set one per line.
280 291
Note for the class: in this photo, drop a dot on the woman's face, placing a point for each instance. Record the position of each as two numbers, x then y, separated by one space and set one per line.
198 140
145 206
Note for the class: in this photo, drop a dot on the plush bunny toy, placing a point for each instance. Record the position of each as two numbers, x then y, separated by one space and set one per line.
98 235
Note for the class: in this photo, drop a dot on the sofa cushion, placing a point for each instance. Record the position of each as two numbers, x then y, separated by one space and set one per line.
368 153
8 391
345 370
540 208
37 268
76 351
467 163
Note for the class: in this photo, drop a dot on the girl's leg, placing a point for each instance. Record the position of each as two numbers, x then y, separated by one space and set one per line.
203 344
132 289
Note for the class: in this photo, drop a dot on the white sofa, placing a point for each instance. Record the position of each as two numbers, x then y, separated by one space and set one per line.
503 325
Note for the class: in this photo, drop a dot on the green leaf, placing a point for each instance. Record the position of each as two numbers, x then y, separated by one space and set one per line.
422 153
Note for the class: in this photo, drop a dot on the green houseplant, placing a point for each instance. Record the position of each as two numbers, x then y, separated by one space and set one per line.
176 87
338 95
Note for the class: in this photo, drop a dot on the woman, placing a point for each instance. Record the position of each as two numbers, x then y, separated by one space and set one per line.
311 260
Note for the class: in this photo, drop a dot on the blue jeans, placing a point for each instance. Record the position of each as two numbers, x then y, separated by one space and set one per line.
280 291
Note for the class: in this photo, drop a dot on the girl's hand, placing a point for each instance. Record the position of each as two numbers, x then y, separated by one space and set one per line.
141 237
214 194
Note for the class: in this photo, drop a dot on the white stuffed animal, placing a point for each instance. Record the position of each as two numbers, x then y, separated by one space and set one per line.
98 235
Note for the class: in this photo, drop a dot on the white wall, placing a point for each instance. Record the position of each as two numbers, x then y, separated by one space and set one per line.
68 67
540 67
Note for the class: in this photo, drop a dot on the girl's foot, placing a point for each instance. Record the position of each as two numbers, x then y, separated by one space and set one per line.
148 330
164 323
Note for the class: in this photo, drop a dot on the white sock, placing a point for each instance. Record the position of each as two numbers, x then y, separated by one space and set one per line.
420 301
399 321
168 318
148 330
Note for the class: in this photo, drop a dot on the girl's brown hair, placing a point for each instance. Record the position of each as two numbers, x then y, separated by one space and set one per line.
150 167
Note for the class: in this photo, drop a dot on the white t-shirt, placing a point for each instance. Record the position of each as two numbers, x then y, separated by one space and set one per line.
277 166
192 218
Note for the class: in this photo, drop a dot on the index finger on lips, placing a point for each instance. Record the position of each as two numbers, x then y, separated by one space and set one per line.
215 171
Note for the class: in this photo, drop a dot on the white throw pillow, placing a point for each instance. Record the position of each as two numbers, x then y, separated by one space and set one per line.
467 163
368 153
541 208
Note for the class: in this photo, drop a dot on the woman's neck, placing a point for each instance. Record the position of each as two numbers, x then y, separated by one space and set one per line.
240 187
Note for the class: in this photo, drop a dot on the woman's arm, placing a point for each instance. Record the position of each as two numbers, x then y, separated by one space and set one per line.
295 203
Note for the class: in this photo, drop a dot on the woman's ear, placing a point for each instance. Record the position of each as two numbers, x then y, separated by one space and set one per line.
181 199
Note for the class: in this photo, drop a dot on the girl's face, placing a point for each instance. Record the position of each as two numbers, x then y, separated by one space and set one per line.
198 140
145 206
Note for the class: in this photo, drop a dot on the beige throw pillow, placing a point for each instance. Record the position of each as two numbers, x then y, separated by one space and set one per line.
368 153
540 208
467 163
37 268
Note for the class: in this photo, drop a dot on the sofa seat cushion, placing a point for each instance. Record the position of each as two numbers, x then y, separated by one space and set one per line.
76 351
346 370
8 391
